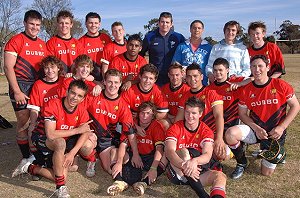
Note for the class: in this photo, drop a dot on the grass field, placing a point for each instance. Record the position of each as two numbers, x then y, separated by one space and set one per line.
284 183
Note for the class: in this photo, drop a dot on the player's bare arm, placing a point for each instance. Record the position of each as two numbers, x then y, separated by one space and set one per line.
152 173
219 146
117 168
180 115
136 159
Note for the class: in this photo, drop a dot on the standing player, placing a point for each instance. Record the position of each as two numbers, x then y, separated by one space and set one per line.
118 46
94 42
161 45
130 62
257 31
62 133
63 45
212 115
189 148
234 51
267 100
23 52
194 50
175 89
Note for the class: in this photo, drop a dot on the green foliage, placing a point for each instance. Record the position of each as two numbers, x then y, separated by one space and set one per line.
152 25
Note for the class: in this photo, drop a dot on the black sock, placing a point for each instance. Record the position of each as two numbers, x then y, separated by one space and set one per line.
239 154
197 187
24 148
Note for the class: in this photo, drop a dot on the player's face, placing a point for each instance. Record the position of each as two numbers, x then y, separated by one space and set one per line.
259 70
51 72
175 76
93 25
133 48
74 96
165 24
64 26
146 116
83 71
192 115
32 27
147 81
196 30
118 33
257 36
112 85
220 73
194 79
230 33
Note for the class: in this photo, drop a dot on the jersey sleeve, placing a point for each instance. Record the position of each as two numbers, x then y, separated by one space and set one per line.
35 101
207 135
106 55
161 102
158 135
173 132
50 112
215 98
126 120
50 47
13 46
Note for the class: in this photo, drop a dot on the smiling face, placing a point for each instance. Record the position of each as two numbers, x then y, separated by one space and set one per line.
192 116
196 30
118 33
230 33
175 75
32 27
74 96
112 84
51 71
93 25
147 81
259 70
257 37
220 72
194 79
64 26
83 71
165 24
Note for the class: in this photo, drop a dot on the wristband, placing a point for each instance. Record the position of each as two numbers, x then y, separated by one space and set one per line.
153 168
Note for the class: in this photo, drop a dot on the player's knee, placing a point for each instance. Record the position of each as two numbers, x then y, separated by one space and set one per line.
59 144
267 168
230 135
219 177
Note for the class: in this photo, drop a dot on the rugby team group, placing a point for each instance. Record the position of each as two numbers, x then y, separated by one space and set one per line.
183 111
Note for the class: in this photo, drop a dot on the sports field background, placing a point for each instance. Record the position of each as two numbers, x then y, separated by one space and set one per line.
284 183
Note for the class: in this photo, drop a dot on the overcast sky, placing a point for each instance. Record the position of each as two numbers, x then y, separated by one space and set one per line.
135 14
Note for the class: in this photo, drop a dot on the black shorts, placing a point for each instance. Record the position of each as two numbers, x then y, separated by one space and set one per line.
146 159
103 143
25 87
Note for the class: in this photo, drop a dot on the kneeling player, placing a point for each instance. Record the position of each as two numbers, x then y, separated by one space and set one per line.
60 136
189 148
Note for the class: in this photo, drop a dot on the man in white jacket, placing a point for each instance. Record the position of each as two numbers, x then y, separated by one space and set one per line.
234 51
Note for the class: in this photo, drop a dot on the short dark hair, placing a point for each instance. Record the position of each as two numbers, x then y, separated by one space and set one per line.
196 21
165 15
195 102
65 14
116 23
134 37
80 84
149 68
54 61
221 61
194 66
175 65
232 23
149 104
32 14
259 56
92 15
113 72
257 24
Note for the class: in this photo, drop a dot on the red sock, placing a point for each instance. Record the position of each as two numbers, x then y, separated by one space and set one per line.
91 157
59 181
217 191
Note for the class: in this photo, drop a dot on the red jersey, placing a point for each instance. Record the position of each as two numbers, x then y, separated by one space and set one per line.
174 95
155 135
274 55
126 66
107 114
62 91
111 50
56 111
230 98
210 99
135 96
186 138
29 53
267 103
42 92
65 49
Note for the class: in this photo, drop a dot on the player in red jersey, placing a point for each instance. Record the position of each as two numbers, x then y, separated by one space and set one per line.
22 55
175 89
189 148
267 100
257 32
62 133
94 42
83 66
130 62
150 148
213 113
118 46
63 45
112 118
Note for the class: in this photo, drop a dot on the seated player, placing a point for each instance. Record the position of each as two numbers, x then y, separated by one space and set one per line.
111 118
266 99
150 148
189 148
175 89
63 133
130 62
